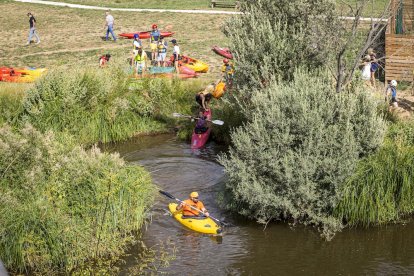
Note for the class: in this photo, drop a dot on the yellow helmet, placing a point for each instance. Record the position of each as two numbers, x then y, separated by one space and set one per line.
194 194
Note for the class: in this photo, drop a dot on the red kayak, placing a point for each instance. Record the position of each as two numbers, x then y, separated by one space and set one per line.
199 140
144 35
224 52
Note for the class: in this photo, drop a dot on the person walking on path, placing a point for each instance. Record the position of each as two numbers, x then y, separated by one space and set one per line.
109 26
32 32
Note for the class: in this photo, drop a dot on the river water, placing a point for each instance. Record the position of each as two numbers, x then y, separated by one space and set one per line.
247 248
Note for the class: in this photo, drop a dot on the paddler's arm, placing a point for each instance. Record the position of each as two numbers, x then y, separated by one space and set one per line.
204 210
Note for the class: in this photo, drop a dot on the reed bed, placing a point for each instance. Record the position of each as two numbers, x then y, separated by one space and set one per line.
382 189
65 209
98 105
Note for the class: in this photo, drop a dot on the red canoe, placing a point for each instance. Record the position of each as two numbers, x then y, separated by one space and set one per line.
199 140
144 35
224 52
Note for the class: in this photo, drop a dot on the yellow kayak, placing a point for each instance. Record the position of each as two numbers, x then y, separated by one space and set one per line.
219 90
195 64
34 72
205 225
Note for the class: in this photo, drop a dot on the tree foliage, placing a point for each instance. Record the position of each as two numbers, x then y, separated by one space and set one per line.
301 143
272 38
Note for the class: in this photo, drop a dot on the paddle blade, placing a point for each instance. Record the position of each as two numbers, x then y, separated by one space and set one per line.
177 115
166 194
218 122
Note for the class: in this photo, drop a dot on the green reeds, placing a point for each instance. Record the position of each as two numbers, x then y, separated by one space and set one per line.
97 105
65 209
382 189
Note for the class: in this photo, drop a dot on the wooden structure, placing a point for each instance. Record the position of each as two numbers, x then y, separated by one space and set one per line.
224 3
399 48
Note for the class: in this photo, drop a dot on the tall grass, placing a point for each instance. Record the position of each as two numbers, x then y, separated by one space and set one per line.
64 208
11 98
382 189
104 105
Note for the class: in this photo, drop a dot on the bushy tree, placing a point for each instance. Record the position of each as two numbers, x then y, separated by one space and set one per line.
272 38
302 141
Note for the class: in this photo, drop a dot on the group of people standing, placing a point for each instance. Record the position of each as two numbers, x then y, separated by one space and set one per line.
158 48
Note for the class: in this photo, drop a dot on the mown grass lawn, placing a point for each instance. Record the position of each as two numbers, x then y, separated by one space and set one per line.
74 36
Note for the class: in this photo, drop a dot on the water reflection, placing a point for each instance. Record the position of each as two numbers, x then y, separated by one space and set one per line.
246 249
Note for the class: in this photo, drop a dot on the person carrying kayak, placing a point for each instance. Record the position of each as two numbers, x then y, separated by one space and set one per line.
103 60
154 37
195 203
203 97
228 70
162 51
176 55
141 62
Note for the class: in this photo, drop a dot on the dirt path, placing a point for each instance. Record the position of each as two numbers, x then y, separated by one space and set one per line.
76 6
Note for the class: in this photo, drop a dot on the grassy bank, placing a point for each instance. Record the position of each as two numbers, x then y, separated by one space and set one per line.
382 188
11 99
104 105
63 208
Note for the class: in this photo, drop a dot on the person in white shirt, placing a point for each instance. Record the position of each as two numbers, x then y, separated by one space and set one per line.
176 54
109 26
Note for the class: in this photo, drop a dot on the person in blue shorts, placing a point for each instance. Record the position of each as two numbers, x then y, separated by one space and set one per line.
392 89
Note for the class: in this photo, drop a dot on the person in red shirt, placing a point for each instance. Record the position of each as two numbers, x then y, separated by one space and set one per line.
192 202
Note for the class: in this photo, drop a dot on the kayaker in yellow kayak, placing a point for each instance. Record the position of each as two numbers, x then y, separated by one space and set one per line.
193 201
203 97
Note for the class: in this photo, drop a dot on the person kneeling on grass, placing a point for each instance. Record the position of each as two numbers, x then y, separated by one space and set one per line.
103 60
141 62
193 201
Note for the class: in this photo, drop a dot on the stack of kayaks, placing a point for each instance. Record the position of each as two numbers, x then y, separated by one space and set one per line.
26 74
198 140
202 225
144 35
219 90
194 64
224 52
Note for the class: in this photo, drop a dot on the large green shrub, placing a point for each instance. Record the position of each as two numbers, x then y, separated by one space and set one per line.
302 141
63 207
103 105
272 38
382 188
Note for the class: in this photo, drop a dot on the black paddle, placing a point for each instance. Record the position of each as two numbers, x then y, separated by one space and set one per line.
216 122
178 200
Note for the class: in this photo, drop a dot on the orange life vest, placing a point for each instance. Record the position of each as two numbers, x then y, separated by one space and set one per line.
187 211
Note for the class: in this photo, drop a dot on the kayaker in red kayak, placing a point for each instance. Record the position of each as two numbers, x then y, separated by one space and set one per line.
154 38
202 124
162 51
203 97
227 70
104 60
195 203
176 55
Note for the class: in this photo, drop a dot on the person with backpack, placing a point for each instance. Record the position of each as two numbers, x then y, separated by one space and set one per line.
32 32
162 51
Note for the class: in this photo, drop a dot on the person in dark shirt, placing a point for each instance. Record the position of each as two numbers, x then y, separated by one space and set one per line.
32 32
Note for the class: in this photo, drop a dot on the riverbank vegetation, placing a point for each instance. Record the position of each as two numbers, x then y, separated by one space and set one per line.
328 157
64 207
104 105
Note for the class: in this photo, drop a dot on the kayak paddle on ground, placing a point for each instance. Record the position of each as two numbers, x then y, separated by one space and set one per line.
178 200
216 122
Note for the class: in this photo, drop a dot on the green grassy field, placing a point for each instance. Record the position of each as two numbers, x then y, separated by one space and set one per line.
74 36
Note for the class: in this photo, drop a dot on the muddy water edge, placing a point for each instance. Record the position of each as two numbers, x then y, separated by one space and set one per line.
246 248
